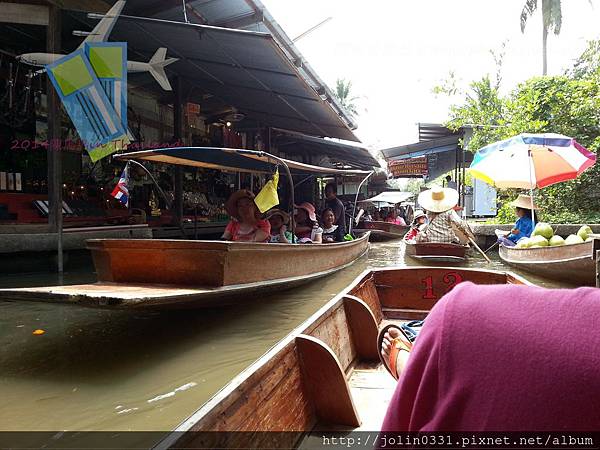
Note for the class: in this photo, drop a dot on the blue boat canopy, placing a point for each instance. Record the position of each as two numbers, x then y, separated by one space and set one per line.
230 159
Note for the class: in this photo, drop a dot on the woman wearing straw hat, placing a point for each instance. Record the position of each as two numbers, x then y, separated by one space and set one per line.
246 223
439 202
524 225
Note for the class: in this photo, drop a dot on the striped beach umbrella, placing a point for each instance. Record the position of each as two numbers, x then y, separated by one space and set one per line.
529 161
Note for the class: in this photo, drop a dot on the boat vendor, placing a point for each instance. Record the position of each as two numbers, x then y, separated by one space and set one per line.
418 224
246 223
524 225
307 227
279 233
439 203
453 366
331 231
336 205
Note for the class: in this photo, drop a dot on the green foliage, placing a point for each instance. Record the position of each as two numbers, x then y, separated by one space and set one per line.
343 92
588 64
567 104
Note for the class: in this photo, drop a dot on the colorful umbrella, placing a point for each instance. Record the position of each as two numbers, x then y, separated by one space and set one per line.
528 161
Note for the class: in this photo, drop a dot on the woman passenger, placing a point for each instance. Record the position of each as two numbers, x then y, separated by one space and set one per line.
394 218
279 233
331 232
246 224
307 228
485 377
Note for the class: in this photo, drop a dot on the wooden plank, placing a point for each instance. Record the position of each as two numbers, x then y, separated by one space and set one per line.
367 292
333 331
326 383
24 13
421 288
363 327
273 398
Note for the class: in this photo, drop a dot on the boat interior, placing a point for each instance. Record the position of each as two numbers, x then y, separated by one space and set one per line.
326 375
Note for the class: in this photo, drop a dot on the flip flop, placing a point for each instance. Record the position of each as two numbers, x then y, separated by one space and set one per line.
399 343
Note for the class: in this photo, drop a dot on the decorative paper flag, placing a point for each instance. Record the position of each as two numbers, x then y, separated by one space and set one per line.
267 197
121 192
109 61
86 103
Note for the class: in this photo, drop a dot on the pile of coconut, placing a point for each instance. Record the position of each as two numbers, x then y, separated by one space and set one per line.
543 236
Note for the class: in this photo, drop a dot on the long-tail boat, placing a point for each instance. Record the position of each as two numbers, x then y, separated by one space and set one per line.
326 374
573 264
382 231
164 273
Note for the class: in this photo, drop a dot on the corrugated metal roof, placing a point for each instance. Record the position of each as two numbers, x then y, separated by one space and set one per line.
447 144
249 15
245 69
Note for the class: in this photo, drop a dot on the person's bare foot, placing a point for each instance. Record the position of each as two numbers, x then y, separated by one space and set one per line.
386 348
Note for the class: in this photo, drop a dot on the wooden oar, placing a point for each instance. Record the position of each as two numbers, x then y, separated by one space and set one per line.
480 251
491 246
464 233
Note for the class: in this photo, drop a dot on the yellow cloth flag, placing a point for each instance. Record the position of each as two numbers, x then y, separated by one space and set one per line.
267 197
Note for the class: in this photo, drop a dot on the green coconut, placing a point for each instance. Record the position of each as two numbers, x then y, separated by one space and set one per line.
543 229
584 232
573 239
538 241
556 240
523 243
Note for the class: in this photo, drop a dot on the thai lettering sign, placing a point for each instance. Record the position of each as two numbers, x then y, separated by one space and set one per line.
411 167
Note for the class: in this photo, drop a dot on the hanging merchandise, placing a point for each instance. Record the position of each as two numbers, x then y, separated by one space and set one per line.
91 111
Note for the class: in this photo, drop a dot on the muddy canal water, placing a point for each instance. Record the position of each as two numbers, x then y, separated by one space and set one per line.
118 370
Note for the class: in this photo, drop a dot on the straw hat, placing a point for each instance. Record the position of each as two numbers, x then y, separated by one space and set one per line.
231 203
310 210
438 199
278 212
523 201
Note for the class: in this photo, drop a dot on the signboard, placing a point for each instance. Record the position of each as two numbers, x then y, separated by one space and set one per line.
407 168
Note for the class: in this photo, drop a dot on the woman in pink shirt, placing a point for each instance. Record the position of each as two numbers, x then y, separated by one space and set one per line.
246 223
393 218
502 358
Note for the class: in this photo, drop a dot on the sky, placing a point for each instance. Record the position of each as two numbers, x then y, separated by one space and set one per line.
395 51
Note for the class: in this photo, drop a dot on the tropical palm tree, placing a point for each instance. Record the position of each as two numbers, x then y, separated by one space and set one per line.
551 21
343 94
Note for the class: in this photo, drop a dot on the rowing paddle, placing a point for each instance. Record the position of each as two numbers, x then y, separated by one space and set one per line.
464 233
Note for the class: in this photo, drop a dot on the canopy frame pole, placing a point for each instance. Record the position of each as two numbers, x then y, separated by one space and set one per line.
161 192
356 199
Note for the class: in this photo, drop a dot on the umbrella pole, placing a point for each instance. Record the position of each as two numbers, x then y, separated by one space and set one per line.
531 187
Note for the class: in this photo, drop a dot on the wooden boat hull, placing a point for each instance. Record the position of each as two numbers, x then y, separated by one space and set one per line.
136 274
436 252
325 375
382 231
570 263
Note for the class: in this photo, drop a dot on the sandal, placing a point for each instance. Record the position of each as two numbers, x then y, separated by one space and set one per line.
399 343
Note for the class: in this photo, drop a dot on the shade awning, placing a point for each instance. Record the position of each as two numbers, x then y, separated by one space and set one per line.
246 69
229 159
443 145
338 152
391 197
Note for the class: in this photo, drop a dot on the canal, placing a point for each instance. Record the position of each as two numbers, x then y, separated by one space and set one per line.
117 370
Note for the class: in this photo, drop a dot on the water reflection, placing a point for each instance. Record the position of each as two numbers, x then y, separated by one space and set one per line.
117 370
